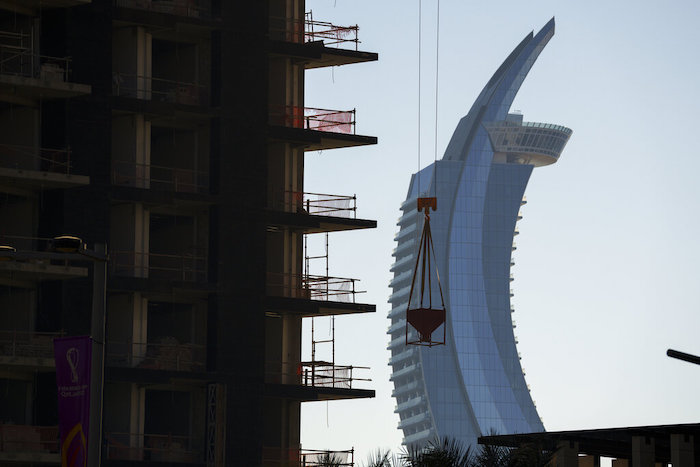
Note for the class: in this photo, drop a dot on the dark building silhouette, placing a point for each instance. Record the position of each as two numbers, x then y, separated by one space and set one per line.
174 131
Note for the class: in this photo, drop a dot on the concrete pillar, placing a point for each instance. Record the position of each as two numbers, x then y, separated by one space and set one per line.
139 333
132 62
567 454
131 151
589 461
643 451
142 233
137 419
682 450
291 349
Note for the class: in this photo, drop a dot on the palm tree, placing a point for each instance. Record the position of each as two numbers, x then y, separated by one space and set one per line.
451 453
492 456
381 459
446 453
328 459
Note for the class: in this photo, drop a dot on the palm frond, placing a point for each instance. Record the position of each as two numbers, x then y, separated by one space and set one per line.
379 458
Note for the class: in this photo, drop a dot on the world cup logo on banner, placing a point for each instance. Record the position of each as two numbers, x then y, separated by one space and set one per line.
72 355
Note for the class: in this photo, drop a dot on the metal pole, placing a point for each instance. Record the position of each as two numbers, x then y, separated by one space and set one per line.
97 331
327 274
683 356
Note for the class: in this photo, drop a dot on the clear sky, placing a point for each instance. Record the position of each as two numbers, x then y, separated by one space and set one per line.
606 266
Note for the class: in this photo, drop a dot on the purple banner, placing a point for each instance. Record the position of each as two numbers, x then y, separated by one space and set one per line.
73 360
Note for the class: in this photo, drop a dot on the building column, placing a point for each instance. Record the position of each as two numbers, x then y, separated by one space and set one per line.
567 454
589 461
643 451
682 450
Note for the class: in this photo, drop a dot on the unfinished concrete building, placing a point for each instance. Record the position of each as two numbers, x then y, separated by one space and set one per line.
174 131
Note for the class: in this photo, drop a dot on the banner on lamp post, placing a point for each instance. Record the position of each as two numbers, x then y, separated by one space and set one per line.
73 357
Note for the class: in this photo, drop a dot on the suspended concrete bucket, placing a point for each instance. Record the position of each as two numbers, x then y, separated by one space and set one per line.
427 317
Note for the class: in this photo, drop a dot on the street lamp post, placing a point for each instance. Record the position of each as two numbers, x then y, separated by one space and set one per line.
97 331
73 249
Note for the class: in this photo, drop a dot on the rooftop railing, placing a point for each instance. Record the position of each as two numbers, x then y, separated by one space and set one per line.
32 158
312 287
187 266
310 118
158 89
28 344
319 204
310 30
152 447
189 8
549 126
168 354
307 458
159 178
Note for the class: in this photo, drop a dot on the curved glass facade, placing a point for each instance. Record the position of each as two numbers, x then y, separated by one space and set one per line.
474 384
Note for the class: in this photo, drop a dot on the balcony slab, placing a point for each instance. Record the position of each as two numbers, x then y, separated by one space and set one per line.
15 86
39 179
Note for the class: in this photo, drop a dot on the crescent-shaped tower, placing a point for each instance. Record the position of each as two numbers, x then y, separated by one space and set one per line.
474 384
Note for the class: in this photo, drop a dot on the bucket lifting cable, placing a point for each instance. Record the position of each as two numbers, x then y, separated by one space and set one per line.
426 317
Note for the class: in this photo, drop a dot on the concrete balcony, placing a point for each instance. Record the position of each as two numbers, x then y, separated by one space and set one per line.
185 266
403 389
315 212
403 356
32 7
168 355
316 129
312 287
30 168
317 204
401 279
418 437
398 374
315 380
170 449
404 263
30 350
414 420
29 444
198 9
317 43
277 457
410 404
154 177
166 90
26 75
400 325
29 267
401 296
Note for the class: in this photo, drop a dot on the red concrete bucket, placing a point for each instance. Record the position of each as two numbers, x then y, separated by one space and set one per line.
425 321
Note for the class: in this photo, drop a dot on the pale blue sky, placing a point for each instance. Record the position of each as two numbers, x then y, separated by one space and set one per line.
606 268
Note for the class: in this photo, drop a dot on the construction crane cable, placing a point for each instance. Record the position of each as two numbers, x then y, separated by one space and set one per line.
426 319
437 76
420 41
